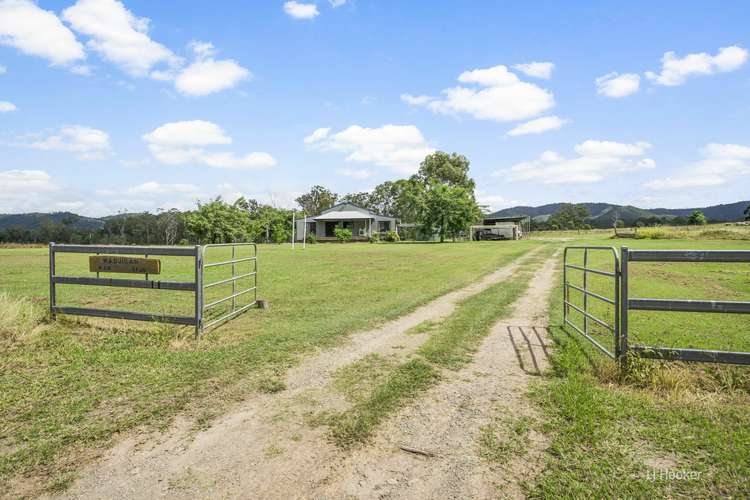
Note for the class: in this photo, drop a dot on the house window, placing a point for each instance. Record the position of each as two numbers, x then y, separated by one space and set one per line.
384 226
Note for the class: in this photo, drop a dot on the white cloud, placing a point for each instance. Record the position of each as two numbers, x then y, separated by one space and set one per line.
336 3
416 100
69 205
3 69
24 190
611 148
317 135
134 163
539 125
209 76
38 32
501 96
536 69
493 201
675 70
185 142
202 50
721 163
299 10
118 36
359 174
399 148
596 160
85 142
617 85
6 107
154 187
684 182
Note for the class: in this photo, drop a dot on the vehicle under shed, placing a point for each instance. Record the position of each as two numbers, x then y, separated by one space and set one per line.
494 227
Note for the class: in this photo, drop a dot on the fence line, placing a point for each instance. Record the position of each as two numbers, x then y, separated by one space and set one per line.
623 304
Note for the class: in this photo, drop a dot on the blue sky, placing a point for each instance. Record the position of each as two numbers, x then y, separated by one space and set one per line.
137 105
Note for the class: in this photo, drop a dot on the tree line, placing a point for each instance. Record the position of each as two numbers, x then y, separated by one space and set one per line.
576 216
438 201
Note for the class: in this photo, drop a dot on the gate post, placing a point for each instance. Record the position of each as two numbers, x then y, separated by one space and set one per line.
623 341
198 291
52 291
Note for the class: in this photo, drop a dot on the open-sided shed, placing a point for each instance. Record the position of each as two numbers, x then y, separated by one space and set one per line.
497 227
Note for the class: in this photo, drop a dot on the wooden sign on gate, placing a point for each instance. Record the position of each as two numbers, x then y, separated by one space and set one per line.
122 264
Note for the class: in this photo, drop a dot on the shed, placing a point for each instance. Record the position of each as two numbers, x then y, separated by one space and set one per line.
502 227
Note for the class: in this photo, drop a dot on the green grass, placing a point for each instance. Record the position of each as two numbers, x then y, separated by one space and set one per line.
612 436
69 386
404 382
449 346
504 438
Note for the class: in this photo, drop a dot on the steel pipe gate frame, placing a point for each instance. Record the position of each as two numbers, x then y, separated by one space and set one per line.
624 304
198 287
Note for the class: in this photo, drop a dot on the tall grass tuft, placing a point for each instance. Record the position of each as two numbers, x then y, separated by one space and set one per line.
18 317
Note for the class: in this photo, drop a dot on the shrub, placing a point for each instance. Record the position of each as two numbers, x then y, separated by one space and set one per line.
311 238
342 234
392 236
375 238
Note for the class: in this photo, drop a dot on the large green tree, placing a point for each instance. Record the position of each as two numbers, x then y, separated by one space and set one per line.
697 218
442 195
447 210
218 222
445 168
569 216
316 200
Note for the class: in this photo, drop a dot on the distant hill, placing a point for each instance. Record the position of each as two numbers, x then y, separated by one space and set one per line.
604 214
34 220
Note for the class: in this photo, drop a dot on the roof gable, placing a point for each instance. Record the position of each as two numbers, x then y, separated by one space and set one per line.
347 207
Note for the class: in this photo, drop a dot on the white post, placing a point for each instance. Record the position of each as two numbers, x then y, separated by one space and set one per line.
293 227
304 232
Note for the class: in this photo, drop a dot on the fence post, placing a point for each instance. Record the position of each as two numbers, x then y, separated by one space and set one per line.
565 285
52 291
585 294
618 280
623 354
198 291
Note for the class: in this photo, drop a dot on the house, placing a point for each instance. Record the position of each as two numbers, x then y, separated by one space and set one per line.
497 227
362 222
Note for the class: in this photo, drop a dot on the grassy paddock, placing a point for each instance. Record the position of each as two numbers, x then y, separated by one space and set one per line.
719 231
614 436
68 387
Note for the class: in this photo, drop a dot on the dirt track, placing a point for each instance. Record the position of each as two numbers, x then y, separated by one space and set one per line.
266 448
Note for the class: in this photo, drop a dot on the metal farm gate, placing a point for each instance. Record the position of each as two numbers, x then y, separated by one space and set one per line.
107 259
623 303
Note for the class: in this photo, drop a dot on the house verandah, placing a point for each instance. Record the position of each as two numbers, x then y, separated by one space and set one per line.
362 222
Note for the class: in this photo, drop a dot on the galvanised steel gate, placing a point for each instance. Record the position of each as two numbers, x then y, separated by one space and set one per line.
196 286
623 304
230 298
586 292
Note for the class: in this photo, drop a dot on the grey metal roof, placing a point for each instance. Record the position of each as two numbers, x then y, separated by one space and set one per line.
508 218
346 210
